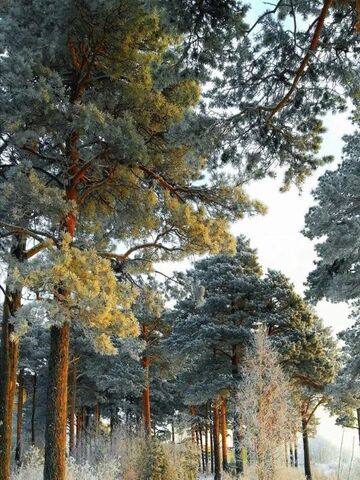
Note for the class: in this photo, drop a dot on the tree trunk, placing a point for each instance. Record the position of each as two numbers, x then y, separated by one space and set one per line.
146 400
72 413
9 355
173 431
224 435
56 414
296 454
307 467
57 393
20 405
192 414
198 451
97 418
217 459
78 435
211 447
206 438
146 392
33 410
202 449
235 364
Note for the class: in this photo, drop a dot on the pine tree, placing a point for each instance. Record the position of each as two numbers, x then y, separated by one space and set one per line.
333 223
94 131
223 298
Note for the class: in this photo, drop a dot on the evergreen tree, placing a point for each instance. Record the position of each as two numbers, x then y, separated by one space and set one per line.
345 392
224 297
95 133
333 223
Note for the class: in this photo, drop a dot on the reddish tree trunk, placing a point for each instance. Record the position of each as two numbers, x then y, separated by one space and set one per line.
72 412
9 355
206 438
224 435
56 415
211 447
217 459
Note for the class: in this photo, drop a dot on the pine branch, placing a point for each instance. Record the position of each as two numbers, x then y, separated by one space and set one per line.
305 61
36 234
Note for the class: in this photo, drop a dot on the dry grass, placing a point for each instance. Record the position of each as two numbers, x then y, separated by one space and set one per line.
131 458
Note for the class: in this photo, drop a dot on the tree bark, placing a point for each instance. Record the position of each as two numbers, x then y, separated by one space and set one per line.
206 438
78 434
56 409
307 466
33 410
56 414
20 405
211 447
173 431
235 364
192 414
9 356
97 418
146 392
198 451
224 435
216 435
296 455
202 449
72 412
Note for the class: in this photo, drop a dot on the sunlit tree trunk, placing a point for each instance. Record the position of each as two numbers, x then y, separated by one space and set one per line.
55 434
211 446
224 435
56 411
216 435
72 412
9 355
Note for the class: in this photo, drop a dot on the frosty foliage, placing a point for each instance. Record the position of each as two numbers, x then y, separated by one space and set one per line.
333 222
264 406
128 458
